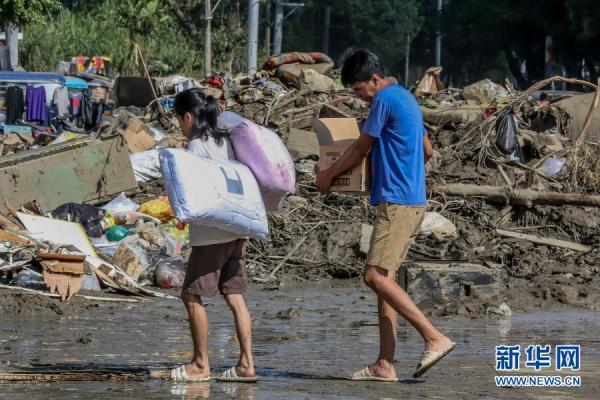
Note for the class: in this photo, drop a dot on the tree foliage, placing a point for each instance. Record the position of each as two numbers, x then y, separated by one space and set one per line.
481 38
25 12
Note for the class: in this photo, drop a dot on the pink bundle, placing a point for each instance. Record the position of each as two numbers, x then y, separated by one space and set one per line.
263 152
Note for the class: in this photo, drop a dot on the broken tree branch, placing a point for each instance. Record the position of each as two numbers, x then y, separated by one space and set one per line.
184 19
525 197
545 241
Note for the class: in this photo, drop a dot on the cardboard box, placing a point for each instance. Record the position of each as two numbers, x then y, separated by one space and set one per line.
138 136
335 136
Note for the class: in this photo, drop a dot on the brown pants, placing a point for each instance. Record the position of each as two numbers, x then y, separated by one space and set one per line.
217 268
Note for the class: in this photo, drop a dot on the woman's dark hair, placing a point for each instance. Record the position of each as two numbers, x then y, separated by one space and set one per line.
205 110
359 65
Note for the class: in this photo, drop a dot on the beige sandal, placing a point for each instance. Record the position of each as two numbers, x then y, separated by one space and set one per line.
366 375
430 358
178 375
231 376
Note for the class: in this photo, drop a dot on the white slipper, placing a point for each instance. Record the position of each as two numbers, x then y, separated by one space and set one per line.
366 375
231 376
178 375
430 358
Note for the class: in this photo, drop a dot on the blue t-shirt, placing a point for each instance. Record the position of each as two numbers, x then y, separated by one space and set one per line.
397 159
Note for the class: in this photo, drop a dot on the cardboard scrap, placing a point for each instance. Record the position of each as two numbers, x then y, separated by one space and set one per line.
430 83
62 273
126 259
138 137
14 239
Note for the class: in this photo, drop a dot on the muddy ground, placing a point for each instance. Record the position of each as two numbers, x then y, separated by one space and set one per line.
307 338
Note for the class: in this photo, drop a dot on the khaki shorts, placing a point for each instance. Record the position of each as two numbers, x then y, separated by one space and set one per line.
217 268
392 235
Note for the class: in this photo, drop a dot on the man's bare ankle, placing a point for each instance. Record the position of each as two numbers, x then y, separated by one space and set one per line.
384 369
434 343
199 365
245 369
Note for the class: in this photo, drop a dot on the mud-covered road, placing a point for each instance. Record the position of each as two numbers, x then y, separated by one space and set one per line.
307 339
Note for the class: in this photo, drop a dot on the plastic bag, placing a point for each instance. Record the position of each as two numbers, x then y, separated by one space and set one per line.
179 230
158 208
117 233
90 282
170 272
88 216
263 151
173 245
225 195
507 130
121 204
29 279
131 259
552 166
146 166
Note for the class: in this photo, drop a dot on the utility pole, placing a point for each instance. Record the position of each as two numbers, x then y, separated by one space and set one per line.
326 28
12 40
268 28
407 60
253 9
438 35
207 36
278 34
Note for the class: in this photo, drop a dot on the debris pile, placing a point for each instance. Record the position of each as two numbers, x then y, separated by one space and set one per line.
513 215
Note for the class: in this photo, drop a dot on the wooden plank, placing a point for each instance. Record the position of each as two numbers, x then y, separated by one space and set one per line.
96 298
81 376
60 257
545 241
14 239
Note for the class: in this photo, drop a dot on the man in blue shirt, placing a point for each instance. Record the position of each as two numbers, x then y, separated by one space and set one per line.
395 136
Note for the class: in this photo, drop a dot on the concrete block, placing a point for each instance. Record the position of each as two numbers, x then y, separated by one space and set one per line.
440 283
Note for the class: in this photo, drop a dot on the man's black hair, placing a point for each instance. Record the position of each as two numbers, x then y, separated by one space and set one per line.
359 65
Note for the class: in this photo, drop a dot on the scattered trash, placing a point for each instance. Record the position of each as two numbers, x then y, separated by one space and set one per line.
483 92
158 208
117 233
170 272
502 310
146 165
552 166
131 259
436 224
430 83
120 205
88 216
507 130
505 187
63 273
29 279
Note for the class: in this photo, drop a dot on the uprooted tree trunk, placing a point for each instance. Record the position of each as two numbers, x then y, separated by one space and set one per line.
525 197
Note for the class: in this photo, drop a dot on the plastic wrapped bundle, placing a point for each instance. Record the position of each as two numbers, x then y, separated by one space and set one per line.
261 150
221 194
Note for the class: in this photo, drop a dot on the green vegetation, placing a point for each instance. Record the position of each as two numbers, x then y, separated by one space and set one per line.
482 38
